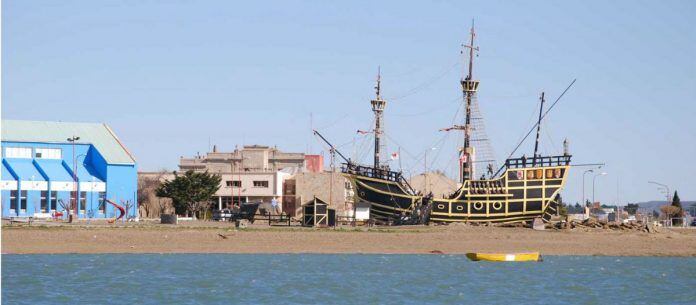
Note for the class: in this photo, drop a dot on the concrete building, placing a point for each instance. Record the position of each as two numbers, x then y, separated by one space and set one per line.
331 188
253 173
47 166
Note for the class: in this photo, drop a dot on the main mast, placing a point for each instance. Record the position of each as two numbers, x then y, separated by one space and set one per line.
469 88
378 105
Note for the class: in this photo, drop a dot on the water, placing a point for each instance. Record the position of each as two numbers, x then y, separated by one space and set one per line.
342 279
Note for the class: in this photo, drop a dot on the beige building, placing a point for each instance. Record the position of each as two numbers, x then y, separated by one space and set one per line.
257 173
332 188
251 174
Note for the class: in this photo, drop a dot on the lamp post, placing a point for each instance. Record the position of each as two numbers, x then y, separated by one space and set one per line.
583 184
72 140
663 187
593 184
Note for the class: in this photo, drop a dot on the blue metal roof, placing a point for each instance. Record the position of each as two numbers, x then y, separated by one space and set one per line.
6 175
99 135
25 169
54 169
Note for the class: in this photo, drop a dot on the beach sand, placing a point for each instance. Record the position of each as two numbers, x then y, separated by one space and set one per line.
459 239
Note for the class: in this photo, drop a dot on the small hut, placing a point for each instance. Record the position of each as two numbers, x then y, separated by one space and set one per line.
316 213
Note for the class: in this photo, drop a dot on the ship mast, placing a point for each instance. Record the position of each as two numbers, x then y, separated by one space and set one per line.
378 105
538 132
469 88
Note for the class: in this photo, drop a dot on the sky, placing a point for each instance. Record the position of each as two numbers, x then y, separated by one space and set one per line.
173 78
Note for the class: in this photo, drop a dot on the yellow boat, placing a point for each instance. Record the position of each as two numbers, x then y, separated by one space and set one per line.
505 257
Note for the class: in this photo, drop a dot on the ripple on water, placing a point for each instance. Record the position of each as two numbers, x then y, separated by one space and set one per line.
341 279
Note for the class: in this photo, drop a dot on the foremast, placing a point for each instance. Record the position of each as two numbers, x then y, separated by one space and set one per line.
378 105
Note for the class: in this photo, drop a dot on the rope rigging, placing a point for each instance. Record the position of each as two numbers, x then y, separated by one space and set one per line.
425 84
535 125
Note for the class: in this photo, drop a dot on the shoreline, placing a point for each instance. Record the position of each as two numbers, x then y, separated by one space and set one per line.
80 239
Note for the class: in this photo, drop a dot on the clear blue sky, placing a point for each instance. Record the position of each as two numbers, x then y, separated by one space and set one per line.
170 75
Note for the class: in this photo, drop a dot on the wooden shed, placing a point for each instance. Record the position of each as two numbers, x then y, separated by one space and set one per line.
316 213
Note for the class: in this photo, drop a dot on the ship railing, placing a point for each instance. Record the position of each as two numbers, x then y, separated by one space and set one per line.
538 161
486 187
377 173
371 172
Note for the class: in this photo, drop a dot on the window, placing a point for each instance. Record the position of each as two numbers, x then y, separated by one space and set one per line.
18 152
102 202
23 201
54 200
13 200
48 153
44 201
83 202
234 183
260 183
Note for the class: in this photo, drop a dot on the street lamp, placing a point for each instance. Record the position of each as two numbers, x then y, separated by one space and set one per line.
663 187
593 184
583 184
72 140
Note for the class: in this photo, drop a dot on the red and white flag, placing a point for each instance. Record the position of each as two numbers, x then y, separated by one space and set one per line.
395 156
463 157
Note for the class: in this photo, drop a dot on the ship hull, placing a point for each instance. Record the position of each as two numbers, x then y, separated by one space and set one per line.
519 195
388 200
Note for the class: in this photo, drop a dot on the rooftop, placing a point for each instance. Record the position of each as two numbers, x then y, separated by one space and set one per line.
97 134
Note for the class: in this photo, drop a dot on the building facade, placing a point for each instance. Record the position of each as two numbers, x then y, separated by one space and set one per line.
254 173
48 167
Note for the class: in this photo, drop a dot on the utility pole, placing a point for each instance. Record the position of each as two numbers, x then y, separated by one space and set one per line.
332 154
425 174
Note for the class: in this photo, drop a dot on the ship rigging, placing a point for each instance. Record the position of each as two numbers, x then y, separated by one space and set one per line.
521 190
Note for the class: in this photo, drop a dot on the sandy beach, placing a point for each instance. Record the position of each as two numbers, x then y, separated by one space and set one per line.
392 240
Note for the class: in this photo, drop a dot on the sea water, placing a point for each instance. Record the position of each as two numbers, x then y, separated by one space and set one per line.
342 279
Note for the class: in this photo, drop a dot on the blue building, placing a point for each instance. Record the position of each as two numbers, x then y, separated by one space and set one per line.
43 171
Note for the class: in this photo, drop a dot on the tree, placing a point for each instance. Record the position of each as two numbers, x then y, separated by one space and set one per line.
676 202
562 207
190 192
149 203
579 209
678 210
631 208
670 211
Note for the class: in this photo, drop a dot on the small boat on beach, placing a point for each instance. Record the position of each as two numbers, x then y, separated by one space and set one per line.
505 257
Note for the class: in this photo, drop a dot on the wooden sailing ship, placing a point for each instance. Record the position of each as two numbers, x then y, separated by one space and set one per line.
523 188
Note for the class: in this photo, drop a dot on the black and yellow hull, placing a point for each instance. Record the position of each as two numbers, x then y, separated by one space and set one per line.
520 194
389 200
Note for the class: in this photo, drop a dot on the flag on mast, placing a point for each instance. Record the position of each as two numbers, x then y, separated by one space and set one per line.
395 156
